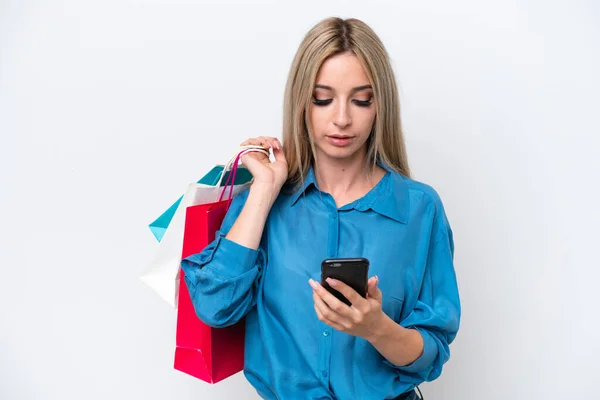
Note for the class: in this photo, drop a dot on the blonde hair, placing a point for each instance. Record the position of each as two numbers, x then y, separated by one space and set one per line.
329 37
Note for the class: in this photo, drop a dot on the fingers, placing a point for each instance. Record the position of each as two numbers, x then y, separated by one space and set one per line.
252 160
273 142
253 154
330 300
373 290
356 299
328 322
254 142
326 315
279 154
264 141
372 281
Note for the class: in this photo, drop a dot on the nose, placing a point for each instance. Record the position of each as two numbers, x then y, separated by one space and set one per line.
342 116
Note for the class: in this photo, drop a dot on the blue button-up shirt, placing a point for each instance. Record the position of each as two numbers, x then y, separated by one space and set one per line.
399 225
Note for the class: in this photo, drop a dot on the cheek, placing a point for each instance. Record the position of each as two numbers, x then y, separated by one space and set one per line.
318 119
366 121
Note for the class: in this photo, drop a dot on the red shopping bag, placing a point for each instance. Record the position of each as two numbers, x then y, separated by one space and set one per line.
209 354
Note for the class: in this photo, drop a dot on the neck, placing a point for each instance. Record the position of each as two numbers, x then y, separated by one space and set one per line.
342 176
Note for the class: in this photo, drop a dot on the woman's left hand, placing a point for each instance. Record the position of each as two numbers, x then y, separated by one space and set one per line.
362 319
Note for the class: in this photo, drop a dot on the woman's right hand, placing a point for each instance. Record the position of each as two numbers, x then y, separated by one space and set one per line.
267 173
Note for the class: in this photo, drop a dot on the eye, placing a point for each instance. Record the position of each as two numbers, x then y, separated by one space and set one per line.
323 102
363 103
360 103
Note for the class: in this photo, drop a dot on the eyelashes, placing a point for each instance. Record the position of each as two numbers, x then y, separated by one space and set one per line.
325 102
321 102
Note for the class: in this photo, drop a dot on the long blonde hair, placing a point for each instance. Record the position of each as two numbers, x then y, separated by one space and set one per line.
329 37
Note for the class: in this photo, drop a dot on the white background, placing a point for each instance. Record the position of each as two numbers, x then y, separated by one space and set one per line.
108 109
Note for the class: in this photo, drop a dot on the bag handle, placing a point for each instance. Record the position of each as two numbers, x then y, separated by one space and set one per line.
231 178
233 164
233 160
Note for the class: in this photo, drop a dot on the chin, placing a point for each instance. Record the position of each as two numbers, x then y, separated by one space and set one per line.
339 154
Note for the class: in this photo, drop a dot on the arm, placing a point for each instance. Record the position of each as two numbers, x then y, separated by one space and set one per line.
365 318
435 318
419 346
222 278
248 228
399 345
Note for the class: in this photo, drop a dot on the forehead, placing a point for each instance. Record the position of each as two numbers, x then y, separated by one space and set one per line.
342 72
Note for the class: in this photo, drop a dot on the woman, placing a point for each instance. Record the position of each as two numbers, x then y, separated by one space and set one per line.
339 187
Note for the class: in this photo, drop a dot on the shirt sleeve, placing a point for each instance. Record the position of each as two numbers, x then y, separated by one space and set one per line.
222 278
436 314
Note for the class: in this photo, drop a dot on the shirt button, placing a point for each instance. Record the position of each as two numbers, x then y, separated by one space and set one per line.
334 216
325 333
324 373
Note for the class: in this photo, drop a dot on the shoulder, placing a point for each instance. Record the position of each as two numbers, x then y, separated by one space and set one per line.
425 203
423 192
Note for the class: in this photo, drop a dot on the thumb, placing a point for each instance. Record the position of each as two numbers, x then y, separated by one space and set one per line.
279 154
372 289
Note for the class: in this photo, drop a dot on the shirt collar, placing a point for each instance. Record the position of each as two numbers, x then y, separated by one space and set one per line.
389 198
309 180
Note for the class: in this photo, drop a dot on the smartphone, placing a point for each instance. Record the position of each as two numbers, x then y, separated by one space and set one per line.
353 272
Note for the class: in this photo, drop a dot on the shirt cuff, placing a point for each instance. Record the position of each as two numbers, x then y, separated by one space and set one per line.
228 259
425 360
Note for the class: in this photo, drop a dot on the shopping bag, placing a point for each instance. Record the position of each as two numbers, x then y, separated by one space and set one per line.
162 273
159 226
209 354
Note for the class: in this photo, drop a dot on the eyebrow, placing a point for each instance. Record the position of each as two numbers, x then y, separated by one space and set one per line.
354 90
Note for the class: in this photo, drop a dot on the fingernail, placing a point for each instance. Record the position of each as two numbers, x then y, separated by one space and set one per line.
312 283
332 282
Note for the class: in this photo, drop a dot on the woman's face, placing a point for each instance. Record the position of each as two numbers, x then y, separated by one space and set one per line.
343 108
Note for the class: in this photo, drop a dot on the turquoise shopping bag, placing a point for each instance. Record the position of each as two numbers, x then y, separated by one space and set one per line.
160 224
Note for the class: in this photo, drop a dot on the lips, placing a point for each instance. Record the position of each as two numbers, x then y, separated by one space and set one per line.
339 140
